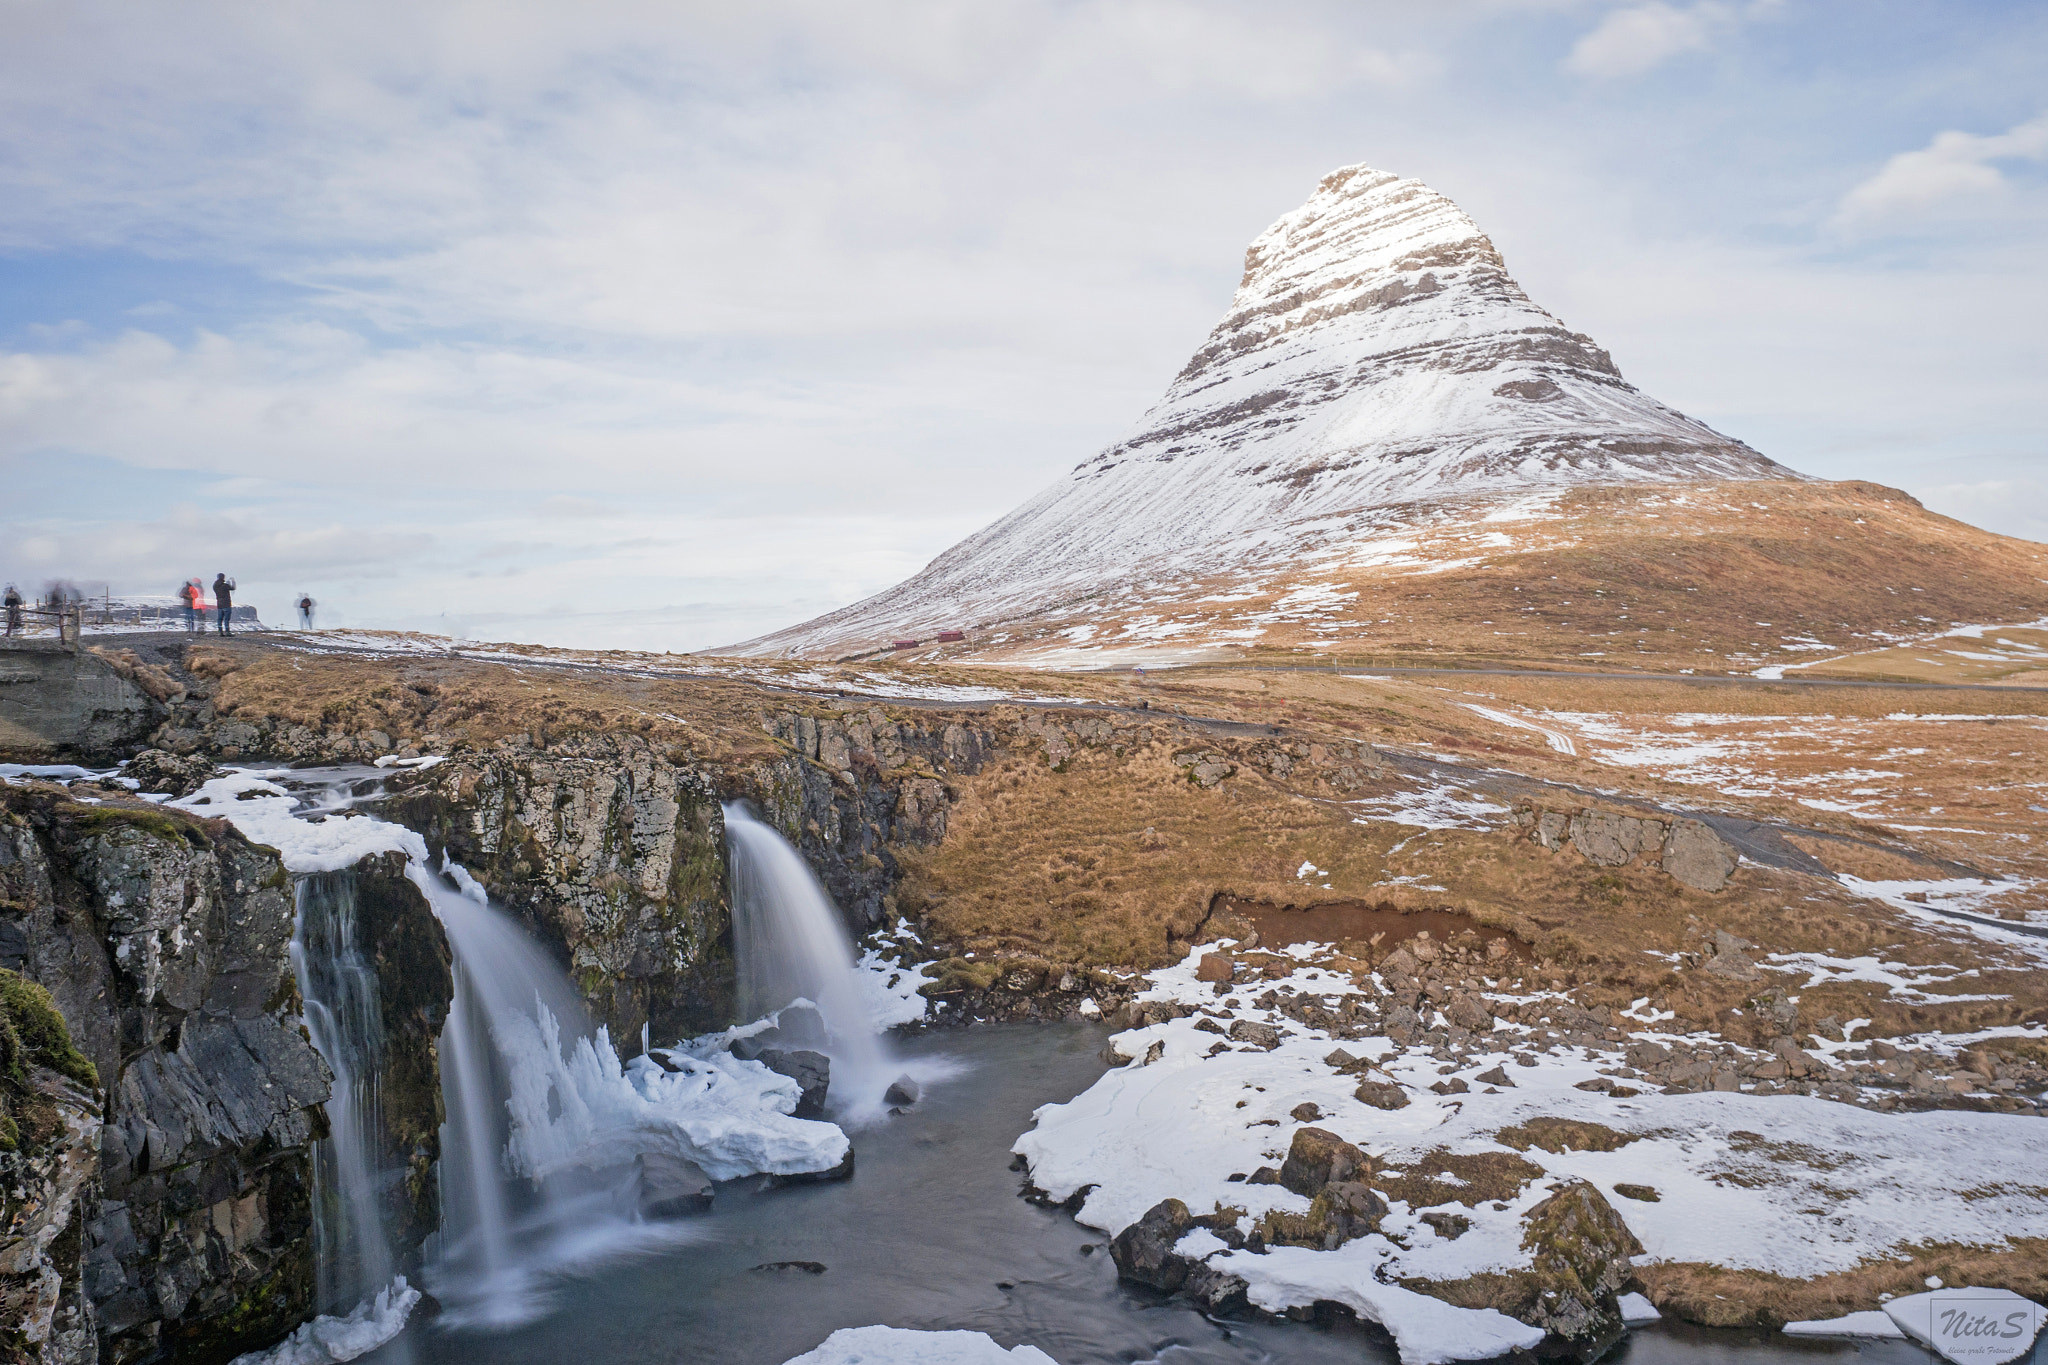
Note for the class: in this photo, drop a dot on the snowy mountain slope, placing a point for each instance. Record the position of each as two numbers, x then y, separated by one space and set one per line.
1376 353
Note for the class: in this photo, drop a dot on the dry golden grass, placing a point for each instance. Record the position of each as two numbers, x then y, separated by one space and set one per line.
2015 654
439 702
1719 1297
1114 860
1711 576
1118 859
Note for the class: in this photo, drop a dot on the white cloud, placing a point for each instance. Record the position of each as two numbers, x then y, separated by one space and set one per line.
1641 38
805 290
1953 172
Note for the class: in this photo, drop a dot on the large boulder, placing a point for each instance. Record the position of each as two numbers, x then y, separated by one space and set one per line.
1697 857
1607 839
1580 1250
1317 1157
1255 1033
1144 1252
668 1186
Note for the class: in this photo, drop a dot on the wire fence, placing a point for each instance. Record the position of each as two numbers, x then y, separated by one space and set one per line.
67 619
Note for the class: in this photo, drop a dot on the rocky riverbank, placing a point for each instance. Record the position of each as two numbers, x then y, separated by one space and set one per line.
1444 1129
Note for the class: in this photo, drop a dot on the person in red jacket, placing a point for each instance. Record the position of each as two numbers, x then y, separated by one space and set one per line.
192 597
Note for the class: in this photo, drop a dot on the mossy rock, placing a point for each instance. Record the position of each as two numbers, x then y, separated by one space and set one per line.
958 974
150 819
1564 1135
32 1033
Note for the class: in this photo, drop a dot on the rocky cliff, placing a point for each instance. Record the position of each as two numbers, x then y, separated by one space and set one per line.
394 932
611 854
164 943
59 704
49 1141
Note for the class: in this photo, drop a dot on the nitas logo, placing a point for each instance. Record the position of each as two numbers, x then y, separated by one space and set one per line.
1970 1326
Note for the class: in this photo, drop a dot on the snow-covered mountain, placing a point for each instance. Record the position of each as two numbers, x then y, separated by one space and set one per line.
1377 353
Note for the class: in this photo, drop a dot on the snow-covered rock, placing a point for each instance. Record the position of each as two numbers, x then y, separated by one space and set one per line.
1725 1179
1377 353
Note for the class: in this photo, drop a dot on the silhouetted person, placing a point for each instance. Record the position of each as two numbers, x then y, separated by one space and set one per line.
305 612
223 602
13 601
192 595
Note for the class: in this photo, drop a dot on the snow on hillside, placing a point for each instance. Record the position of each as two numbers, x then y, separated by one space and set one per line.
1376 353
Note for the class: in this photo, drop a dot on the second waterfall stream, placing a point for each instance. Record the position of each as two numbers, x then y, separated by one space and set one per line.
548 1133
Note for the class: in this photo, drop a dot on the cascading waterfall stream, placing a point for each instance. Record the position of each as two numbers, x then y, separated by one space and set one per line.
792 944
547 1134
345 1021
504 985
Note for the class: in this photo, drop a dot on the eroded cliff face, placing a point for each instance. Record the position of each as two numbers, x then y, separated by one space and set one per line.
857 785
398 937
60 704
611 854
164 942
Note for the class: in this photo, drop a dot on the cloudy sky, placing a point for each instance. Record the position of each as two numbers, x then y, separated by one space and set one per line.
664 324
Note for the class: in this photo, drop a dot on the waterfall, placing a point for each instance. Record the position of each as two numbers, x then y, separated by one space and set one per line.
792 944
548 1137
492 1226
345 1020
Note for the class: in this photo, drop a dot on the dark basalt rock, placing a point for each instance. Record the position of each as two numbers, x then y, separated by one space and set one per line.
667 1186
1317 1157
1144 1252
811 1070
843 1171
164 943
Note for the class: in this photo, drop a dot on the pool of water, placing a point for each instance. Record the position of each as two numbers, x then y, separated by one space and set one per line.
930 1233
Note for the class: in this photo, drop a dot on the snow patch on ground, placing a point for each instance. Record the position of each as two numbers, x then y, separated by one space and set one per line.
1430 808
887 983
1873 1323
1788 1184
256 805
1904 982
1557 739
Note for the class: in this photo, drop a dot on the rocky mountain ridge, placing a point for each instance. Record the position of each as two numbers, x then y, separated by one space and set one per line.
1377 352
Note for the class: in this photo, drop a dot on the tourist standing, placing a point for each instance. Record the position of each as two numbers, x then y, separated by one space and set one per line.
192 595
223 602
13 609
306 605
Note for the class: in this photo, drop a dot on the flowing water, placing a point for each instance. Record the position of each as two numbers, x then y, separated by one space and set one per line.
515 1031
930 1233
498 1231
791 943
344 1017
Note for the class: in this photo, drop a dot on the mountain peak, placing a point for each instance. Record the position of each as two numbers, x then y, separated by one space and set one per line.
1376 353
